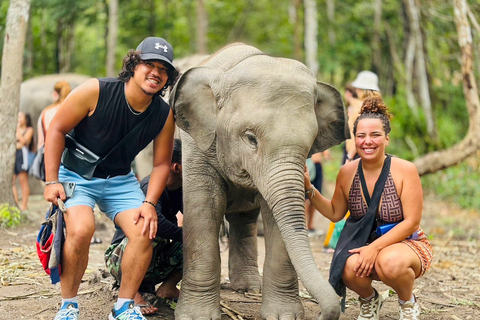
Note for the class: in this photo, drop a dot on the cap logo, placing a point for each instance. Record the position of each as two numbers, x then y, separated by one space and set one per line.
159 46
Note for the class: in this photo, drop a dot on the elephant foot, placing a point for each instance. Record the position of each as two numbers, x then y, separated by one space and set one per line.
197 312
198 305
246 283
282 310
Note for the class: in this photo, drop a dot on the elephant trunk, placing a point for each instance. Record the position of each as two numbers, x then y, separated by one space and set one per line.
285 195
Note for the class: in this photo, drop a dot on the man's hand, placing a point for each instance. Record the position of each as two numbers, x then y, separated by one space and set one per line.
54 191
149 214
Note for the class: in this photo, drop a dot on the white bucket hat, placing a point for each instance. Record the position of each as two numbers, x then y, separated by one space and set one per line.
366 80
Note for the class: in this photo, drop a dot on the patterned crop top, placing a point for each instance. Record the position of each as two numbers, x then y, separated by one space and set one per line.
390 208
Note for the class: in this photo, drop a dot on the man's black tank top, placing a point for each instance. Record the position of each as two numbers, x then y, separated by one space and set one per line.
111 121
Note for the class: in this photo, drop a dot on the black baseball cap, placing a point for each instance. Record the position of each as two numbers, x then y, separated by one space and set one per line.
153 48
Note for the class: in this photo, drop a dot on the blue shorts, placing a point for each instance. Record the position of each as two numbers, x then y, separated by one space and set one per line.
111 195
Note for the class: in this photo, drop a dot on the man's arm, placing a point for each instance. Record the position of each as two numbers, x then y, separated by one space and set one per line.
162 157
80 103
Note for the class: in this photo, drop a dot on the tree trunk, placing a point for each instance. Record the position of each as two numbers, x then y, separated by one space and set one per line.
332 37
297 29
311 33
11 78
112 37
471 143
377 52
202 27
416 44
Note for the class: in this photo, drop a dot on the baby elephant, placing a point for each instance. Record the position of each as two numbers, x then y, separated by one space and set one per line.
248 122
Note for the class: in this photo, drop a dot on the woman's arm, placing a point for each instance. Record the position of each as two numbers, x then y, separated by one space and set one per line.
336 208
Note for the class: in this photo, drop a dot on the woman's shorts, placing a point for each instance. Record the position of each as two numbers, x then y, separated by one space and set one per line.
423 249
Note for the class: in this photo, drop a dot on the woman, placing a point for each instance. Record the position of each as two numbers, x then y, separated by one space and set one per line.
24 144
392 258
364 86
61 90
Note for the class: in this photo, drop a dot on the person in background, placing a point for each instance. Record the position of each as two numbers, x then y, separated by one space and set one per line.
166 264
396 257
61 89
317 159
24 145
364 86
102 112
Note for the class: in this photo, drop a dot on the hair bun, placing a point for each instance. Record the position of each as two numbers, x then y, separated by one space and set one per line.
375 105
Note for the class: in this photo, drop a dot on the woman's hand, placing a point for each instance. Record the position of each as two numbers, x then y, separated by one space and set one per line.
366 260
308 183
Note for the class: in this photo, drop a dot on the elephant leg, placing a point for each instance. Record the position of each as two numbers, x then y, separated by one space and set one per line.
242 256
203 213
280 282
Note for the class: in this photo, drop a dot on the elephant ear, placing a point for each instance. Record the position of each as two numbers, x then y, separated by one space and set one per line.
194 104
331 118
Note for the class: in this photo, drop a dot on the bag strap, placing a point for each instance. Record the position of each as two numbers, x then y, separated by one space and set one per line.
124 139
374 201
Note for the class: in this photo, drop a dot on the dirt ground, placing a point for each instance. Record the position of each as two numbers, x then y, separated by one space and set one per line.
449 290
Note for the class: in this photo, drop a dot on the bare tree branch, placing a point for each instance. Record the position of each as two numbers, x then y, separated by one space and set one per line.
471 143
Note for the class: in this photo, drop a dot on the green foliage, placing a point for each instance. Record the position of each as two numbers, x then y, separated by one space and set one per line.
458 184
10 216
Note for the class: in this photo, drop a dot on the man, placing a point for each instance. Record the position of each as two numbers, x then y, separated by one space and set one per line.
102 112
166 264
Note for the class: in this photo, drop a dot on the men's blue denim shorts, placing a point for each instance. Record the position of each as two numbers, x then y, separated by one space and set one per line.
111 195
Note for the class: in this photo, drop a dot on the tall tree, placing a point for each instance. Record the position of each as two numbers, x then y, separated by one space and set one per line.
471 143
202 28
416 65
311 35
294 9
112 37
377 52
11 78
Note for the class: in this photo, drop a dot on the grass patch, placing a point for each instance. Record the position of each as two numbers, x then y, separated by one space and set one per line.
10 216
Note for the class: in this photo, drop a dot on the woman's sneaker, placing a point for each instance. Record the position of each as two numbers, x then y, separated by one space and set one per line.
127 312
69 311
409 311
370 309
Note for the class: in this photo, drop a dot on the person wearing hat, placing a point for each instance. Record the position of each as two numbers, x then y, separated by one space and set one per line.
364 86
101 112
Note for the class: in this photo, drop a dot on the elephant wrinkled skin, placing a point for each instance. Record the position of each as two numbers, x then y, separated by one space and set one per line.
248 122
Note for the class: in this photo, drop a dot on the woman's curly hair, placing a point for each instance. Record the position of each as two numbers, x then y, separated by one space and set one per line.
132 60
374 108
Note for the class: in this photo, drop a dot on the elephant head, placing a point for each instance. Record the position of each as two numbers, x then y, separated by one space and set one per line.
263 116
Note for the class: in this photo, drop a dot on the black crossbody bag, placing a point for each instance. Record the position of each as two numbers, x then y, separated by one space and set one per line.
83 161
356 232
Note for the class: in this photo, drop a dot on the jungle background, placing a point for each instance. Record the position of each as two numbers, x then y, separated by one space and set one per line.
426 54
413 46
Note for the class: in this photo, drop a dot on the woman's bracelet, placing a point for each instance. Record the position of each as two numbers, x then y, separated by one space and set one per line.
310 192
153 204
51 182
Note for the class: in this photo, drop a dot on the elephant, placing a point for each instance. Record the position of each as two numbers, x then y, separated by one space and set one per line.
247 122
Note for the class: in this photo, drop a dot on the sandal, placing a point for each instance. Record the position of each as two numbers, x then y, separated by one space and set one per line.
146 307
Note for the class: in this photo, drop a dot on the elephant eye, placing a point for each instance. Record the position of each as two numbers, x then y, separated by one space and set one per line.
251 139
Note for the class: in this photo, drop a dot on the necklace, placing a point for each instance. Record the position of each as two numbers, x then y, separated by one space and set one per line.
135 113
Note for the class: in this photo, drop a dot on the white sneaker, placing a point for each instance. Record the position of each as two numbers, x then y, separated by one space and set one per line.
409 311
370 309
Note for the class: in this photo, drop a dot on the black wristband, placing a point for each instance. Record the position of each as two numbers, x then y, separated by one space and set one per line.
153 204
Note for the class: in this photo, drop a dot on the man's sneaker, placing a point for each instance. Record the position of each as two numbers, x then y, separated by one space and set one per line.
409 311
69 311
127 312
370 309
